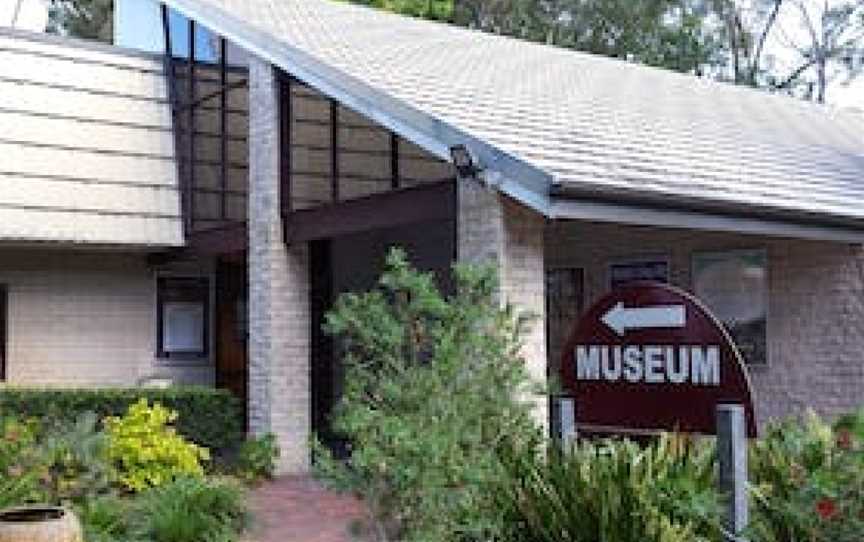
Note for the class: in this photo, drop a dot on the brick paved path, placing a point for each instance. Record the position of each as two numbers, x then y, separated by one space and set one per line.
294 509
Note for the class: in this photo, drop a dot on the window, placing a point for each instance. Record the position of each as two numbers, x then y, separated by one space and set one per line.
183 317
651 270
734 285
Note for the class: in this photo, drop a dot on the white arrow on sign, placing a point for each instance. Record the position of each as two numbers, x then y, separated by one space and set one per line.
620 318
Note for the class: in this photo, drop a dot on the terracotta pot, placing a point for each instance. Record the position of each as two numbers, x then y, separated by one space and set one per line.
39 524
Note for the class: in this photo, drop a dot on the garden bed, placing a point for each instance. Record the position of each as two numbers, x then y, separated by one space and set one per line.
134 476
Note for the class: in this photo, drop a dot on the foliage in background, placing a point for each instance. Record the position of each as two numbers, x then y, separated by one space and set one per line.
437 10
208 417
147 450
430 402
87 19
190 510
808 481
256 460
615 491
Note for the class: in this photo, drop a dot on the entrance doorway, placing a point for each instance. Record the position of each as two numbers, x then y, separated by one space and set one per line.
4 305
232 327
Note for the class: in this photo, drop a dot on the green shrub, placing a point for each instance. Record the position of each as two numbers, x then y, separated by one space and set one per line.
613 491
430 403
190 510
22 467
209 417
256 460
808 481
76 460
147 451
105 519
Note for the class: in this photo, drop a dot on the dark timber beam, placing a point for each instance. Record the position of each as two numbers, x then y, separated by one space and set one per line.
285 120
190 133
223 127
394 161
334 150
225 241
433 201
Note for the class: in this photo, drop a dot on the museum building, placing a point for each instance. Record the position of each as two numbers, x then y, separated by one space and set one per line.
185 206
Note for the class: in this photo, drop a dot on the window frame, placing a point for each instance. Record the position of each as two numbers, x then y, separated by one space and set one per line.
636 260
203 356
766 296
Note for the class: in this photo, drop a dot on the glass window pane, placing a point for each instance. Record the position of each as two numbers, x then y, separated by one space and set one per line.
734 285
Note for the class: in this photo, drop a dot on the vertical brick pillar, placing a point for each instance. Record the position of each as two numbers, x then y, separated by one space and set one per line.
279 329
496 230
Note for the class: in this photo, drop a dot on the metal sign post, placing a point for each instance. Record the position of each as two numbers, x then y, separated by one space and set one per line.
732 459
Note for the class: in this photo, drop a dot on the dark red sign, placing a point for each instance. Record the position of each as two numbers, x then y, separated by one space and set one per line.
650 356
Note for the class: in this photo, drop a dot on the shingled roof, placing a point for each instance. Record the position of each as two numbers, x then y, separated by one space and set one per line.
571 134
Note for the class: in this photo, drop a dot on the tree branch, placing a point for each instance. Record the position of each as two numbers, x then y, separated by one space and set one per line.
769 24
795 74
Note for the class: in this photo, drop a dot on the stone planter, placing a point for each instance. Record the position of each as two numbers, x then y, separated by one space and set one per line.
39 524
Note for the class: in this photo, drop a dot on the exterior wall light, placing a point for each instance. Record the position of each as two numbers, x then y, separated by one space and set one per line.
466 168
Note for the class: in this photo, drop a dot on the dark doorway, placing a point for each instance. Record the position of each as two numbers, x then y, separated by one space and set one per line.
325 372
565 300
4 305
232 323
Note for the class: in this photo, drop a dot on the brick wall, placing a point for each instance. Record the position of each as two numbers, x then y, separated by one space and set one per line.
279 328
815 304
84 319
494 229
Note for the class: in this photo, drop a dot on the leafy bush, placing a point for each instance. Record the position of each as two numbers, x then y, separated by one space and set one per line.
614 491
256 460
808 481
76 459
208 417
22 468
147 451
105 519
430 403
190 510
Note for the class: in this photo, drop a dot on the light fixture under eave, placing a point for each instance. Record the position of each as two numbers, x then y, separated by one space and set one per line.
463 161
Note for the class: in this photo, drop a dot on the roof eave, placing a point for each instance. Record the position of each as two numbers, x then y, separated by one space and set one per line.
742 221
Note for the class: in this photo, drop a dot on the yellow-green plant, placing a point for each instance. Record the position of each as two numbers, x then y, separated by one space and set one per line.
147 450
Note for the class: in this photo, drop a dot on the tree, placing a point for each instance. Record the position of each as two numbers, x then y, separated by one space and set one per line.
86 19
831 45
673 34
796 46
435 400
440 10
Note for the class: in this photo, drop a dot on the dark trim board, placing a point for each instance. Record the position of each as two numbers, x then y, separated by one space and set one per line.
216 241
4 317
433 201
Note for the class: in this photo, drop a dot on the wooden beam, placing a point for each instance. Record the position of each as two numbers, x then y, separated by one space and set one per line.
433 201
394 161
223 126
334 150
189 221
285 119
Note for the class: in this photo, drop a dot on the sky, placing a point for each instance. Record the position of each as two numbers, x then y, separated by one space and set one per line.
33 15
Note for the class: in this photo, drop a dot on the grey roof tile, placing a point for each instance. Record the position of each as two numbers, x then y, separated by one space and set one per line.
576 120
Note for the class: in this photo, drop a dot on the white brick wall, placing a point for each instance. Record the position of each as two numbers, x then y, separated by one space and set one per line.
493 229
85 319
815 305
279 328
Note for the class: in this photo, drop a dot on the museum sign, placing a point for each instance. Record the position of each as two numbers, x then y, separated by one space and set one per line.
649 357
